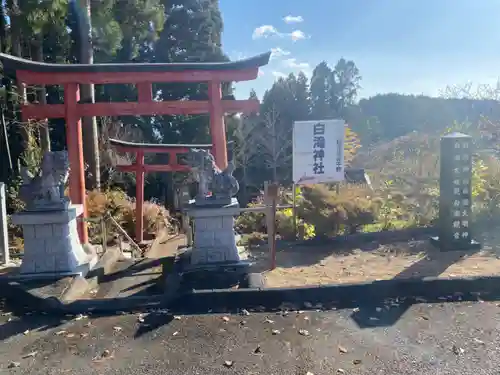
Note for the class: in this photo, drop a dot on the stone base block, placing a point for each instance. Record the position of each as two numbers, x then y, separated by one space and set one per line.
462 246
51 243
214 239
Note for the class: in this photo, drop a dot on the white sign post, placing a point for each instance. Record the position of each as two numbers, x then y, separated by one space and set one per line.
318 151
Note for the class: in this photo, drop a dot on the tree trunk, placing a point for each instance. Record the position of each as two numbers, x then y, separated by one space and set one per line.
90 134
41 95
16 50
3 29
244 193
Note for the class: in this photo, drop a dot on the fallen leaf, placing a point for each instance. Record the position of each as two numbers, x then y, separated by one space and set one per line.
81 316
356 309
245 312
59 333
175 333
304 332
106 353
29 355
300 312
117 329
340 371
425 317
83 335
306 318
269 321
356 362
309 373
140 318
275 332
228 363
257 350
243 322
89 324
457 350
177 317
477 341
225 318
342 349
26 332
70 335
13 365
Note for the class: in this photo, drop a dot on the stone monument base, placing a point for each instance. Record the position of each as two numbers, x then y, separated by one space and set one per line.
52 246
459 246
214 238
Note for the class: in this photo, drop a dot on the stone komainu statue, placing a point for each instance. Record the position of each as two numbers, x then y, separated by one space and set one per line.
222 184
45 189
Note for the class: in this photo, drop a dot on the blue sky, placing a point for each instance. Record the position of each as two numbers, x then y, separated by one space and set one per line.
406 46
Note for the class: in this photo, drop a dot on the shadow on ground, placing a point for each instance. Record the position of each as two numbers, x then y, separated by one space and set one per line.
372 305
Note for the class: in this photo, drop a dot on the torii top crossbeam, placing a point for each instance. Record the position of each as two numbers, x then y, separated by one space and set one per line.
28 72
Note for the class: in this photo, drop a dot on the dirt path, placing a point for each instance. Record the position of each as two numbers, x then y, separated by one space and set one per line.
313 265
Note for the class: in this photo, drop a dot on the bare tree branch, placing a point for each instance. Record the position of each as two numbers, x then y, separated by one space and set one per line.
274 140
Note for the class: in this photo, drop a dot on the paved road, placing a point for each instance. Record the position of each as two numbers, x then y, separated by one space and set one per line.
450 338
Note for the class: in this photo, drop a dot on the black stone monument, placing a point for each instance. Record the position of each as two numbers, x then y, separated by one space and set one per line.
455 195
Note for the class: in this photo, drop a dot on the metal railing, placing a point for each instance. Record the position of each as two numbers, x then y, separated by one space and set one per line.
103 221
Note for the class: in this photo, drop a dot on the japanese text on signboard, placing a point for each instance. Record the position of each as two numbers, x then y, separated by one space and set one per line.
461 207
318 148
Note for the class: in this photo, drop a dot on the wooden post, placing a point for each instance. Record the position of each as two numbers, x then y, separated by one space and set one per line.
75 154
217 128
139 197
294 211
271 195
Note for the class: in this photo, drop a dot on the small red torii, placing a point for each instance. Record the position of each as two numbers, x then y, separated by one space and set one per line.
139 168
70 76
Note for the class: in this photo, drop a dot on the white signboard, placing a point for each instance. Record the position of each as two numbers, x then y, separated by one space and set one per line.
318 151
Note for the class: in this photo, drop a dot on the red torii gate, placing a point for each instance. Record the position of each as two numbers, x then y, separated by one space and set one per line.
139 168
143 76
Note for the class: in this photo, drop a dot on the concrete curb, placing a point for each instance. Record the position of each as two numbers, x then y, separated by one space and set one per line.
202 301
16 291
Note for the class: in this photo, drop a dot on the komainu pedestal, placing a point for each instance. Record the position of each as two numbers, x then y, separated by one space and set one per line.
214 239
51 243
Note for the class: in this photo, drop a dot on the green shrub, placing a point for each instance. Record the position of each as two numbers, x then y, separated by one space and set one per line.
253 221
331 213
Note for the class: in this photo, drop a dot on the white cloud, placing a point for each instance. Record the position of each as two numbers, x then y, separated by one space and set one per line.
278 52
261 73
264 31
277 74
297 35
293 19
294 64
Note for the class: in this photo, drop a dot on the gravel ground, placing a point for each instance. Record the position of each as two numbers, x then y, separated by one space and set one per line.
448 338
